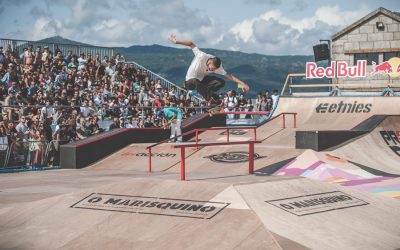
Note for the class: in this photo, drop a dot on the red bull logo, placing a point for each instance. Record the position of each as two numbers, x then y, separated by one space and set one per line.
337 69
383 68
394 63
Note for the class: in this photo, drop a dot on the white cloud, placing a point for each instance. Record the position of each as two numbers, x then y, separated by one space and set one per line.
274 33
151 21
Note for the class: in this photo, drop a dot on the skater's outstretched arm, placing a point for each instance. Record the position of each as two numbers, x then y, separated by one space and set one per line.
190 44
242 85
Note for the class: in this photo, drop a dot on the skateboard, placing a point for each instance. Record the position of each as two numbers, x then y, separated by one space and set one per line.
215 110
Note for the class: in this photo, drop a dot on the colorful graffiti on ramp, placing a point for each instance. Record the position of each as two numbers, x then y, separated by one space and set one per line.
327 168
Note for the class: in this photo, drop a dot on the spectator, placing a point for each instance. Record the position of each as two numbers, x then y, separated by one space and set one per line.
11 105
22 129
131 123
115 124
242 104
2 56
82 61
230 103
47 112
94 127
258 101
149 123
269 100
275 98
264 105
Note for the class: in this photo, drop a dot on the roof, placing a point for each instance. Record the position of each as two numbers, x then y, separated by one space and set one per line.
381 10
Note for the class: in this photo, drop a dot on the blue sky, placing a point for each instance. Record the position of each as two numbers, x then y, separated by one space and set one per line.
273 27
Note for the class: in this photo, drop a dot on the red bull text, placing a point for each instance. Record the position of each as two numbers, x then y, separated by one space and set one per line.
337 69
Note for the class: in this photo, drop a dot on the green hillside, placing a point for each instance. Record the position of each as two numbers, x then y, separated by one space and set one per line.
261 72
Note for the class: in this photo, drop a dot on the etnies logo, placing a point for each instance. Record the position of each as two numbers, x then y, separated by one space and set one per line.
343 107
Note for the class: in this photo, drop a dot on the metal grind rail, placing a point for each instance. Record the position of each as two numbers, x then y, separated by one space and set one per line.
227 129
184 146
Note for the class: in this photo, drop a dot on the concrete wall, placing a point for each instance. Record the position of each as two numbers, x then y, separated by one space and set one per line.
367 37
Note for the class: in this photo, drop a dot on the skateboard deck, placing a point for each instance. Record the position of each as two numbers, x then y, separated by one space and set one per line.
215 110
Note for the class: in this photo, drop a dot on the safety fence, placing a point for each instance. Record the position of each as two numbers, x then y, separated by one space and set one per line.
17 46
30 154
106 114
389 88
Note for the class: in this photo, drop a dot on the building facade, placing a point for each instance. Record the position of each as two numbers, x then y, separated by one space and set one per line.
375 38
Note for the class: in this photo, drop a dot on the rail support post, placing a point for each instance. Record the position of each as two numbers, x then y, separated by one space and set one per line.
283 120
251 157
227 135
149 160
182 163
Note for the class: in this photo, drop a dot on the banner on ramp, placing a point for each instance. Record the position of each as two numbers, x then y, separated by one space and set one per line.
317 203
151 205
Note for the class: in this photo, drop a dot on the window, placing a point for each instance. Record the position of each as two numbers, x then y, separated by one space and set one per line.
388 55
370 57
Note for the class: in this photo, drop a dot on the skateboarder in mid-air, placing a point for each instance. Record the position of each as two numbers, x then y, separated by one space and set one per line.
203 64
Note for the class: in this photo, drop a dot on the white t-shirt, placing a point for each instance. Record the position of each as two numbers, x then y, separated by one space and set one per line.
81 62
274 99
198 67
85 111
47 111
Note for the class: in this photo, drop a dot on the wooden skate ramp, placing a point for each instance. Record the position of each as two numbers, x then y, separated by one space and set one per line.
380 149
322 216
80 221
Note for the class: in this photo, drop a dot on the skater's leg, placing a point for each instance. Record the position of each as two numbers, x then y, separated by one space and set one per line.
178 130
199 86
213 83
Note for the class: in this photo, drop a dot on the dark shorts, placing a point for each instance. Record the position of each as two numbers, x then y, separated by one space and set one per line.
207 87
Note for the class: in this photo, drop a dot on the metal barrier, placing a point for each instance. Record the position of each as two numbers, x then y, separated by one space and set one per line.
336 89
18 46
26 154
32 154
3 150
105 115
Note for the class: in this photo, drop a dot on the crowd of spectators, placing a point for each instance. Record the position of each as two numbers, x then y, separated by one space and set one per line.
60 97
63 97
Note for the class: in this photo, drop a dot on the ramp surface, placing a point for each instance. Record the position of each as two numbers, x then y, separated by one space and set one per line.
81 221
380 149
322 216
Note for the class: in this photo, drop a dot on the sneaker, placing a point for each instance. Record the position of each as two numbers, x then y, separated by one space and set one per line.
178 141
